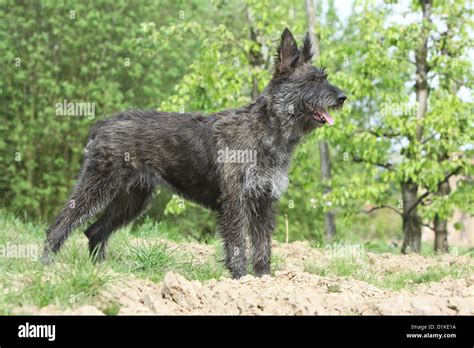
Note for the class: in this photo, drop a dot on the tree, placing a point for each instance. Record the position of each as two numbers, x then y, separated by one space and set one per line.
397 142
79 53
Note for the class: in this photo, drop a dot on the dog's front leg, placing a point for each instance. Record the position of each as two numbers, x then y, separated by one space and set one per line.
232 226
261 229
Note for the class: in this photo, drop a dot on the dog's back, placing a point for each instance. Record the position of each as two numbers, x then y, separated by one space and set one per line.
177 150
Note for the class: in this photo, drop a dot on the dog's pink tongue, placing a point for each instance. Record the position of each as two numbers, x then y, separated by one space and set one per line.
328 118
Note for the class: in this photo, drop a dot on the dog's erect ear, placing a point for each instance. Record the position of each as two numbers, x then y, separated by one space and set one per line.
306 51
287 53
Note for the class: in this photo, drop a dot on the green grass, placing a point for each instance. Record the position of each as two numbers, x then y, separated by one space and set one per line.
334 288
277 263
150 228
74 279
75 283
154 260
409 280
343 267
111 309
379 247
359 269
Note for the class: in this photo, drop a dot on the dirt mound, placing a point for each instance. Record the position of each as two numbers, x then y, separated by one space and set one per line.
286 293
290 293
294 291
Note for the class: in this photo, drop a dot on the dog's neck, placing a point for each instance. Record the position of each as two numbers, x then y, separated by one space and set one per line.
281 125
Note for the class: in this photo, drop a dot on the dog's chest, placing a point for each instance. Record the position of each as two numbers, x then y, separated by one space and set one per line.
278 182
264 181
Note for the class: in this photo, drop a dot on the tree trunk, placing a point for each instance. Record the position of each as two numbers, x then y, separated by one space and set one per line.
441 235
421 84
444 189
411 219
441 225
325 160
255 55
311 16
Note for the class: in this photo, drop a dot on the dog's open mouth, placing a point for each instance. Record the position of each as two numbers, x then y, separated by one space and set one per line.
320 115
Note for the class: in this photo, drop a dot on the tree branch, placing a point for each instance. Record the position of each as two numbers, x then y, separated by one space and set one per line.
427 225
427 193
431 137
383 206
449 76
418 201
387 165
383 134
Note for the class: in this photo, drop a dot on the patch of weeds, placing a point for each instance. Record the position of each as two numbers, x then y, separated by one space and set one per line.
5 309
467 251
63 285
111 309
350 268
151 260
390 281
15 229
201 271
317 243
343 267
219 251
154 260
277 263
380 247
334 288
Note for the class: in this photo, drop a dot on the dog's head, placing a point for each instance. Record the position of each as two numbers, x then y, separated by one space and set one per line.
299 90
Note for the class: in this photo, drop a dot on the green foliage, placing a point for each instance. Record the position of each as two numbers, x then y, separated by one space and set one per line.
71 51
376 132
200 56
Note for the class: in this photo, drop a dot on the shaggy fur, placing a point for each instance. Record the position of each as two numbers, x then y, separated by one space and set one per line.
128 155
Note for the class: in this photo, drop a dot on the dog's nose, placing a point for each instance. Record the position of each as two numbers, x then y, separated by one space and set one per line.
341 98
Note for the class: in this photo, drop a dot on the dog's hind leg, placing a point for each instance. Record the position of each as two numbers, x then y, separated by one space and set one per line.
123 209
90 196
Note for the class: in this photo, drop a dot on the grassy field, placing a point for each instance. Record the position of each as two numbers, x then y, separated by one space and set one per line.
74 280
388 280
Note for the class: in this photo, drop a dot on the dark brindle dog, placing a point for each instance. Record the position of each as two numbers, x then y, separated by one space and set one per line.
129 155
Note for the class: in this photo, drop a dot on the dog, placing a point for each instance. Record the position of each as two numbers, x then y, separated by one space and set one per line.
128 155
